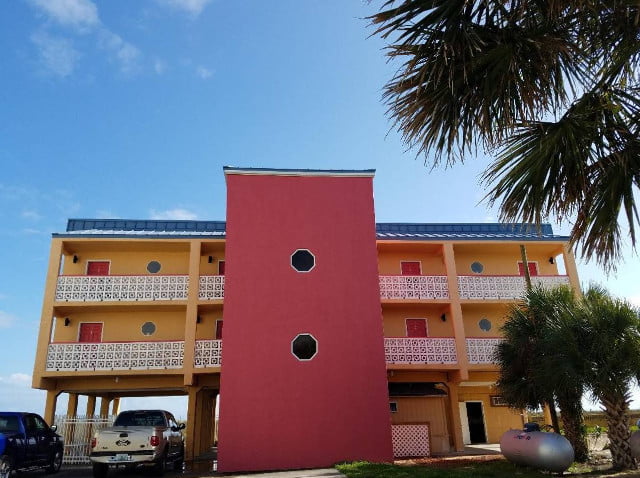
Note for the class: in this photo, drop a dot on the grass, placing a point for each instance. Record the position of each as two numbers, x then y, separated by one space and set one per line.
493 469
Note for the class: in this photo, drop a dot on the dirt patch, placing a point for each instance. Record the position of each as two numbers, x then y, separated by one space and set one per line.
449 461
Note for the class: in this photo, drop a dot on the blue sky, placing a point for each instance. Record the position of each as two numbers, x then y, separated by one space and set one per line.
130 109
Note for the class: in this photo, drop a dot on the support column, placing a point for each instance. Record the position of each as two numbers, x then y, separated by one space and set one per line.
571 269
115 407
46 317
547 416
91 405
50 406
72 405
192 312
104 406
456 312
192 429
456 424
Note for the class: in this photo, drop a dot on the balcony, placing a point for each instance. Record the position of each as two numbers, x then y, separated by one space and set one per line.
414 287
482 351
208 353
121 288
77 357
420 350
502 287
211 288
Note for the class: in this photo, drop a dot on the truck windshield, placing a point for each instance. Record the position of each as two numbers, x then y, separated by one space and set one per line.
9 423
139 419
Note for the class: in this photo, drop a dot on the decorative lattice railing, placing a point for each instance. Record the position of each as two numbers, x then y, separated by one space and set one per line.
115 356
211 288
502 287
122 288
414 287
420 350
482 351
410 440
208 353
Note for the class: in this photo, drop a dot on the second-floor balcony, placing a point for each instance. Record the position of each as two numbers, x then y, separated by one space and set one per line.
502 287
414 287
167 355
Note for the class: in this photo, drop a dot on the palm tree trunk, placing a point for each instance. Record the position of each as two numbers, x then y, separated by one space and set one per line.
616 409
572 421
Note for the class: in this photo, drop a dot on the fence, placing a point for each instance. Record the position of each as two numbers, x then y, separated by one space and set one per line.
77 432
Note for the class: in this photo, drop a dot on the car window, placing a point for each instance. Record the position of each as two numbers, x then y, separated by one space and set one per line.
9 423
139 419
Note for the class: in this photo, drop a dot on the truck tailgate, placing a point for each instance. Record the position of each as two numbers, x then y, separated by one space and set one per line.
126 439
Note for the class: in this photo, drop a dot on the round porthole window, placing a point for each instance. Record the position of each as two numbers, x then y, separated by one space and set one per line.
302 260
484 324
477 267
148 328
304 347
154 267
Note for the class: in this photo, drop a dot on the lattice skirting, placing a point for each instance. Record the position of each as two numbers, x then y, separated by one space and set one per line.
410 440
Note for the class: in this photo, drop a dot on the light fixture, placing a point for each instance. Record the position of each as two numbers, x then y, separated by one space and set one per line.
443 317
551 260
67 321
75 258
210 259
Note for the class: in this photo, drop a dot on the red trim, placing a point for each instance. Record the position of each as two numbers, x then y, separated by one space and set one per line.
430 337
509 275
126 275
475 337
119 342
405 275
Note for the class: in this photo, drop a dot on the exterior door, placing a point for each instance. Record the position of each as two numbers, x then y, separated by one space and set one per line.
416 327
533 268
219 329
221 265
98 268
90 332
410 268
475 418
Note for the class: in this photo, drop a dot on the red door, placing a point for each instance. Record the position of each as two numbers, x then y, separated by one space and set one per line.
533 268
410 268
218 329
98 268
416 327
221 267
90 332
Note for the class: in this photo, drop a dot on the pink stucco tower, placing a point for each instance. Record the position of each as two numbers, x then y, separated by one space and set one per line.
303 380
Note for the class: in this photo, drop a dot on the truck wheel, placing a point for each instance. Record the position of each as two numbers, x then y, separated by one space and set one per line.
161 465
100 470
55 463
177 465
6 466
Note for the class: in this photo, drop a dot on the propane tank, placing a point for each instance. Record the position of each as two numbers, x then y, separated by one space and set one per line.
545 451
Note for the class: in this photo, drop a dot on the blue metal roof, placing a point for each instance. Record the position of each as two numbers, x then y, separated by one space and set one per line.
299 172
384 231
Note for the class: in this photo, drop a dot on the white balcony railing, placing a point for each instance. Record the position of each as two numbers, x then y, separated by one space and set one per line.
414 287
211 288
482 351
122 288
420 350
208 353
115 356
502 287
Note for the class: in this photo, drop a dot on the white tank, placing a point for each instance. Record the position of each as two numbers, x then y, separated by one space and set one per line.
545 451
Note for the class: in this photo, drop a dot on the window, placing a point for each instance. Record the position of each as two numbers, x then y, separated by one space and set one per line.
154 267
393 407
484 324
302 260
416 327
411 268
98 268
533 268
477 267
304 347
148 328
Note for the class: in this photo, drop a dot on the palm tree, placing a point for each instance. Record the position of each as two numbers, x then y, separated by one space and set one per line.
609 330
550 86
540 364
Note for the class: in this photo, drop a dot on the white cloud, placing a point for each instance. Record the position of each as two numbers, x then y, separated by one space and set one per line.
177 213
17 395
192 7
57 55
160 66
31 215
6 320
79 14
124 52
203 72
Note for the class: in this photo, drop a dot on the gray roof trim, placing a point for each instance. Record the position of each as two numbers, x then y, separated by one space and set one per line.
369 173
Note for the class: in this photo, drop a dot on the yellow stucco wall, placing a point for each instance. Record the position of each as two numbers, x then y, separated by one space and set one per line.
394 320
389 262
497 419
206 329
473 313
430 410
502 259
129 262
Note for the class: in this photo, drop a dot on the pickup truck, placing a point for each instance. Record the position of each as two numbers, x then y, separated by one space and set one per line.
27 442
150 438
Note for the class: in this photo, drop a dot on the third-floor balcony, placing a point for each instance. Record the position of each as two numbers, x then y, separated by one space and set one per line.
413 287
503 286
